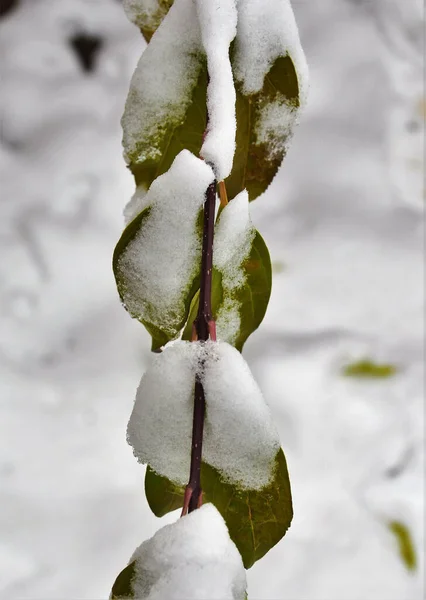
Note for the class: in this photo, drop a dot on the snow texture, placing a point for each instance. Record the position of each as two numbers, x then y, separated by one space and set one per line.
192 559
159 264
275 126
147 13
343 222
267 30
234 235
161 87
240 440
228 321
136 204
218 24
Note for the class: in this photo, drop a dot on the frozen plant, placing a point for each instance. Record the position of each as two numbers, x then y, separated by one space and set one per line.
210 113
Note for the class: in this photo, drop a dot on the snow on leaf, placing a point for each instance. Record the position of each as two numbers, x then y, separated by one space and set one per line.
192 558
165 108
218 24
256 519
147 14
240 439
265 123
123 585
157 260
271 84
242 277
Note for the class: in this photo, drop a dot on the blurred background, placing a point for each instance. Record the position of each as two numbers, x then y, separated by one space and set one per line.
339 356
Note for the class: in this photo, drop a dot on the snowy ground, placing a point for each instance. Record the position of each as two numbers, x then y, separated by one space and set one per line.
343 223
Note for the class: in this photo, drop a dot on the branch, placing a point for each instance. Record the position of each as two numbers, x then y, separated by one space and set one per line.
203 328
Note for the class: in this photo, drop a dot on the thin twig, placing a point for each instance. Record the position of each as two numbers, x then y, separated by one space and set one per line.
203 328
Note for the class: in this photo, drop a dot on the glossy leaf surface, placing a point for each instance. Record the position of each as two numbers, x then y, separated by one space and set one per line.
256 163
256 520
122 587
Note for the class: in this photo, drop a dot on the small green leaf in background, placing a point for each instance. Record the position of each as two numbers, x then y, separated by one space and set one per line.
256 520
255 163
122 587
405 544
368 369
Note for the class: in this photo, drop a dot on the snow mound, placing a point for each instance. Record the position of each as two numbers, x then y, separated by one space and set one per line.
240 439
234 235
267 30
192 559
218 24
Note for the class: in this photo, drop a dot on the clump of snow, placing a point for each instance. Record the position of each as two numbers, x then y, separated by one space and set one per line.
267 30
234 235
274 126
162 85
240 439
228 320
145 13
218 24
192 559
159 264
136 204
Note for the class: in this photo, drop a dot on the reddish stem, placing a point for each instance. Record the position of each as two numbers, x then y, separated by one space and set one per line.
203 328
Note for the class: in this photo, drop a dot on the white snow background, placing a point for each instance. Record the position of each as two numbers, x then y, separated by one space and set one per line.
343 221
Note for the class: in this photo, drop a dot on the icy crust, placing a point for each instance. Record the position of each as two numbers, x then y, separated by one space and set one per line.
191 559
218 25
234 235
157 267
146 13
240 439
267 30
161 87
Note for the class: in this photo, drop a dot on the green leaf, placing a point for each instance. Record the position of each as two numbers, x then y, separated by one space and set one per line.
250 300
174 136
160 335
405 544
122 587
149 25
366 368
256 519
256 162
